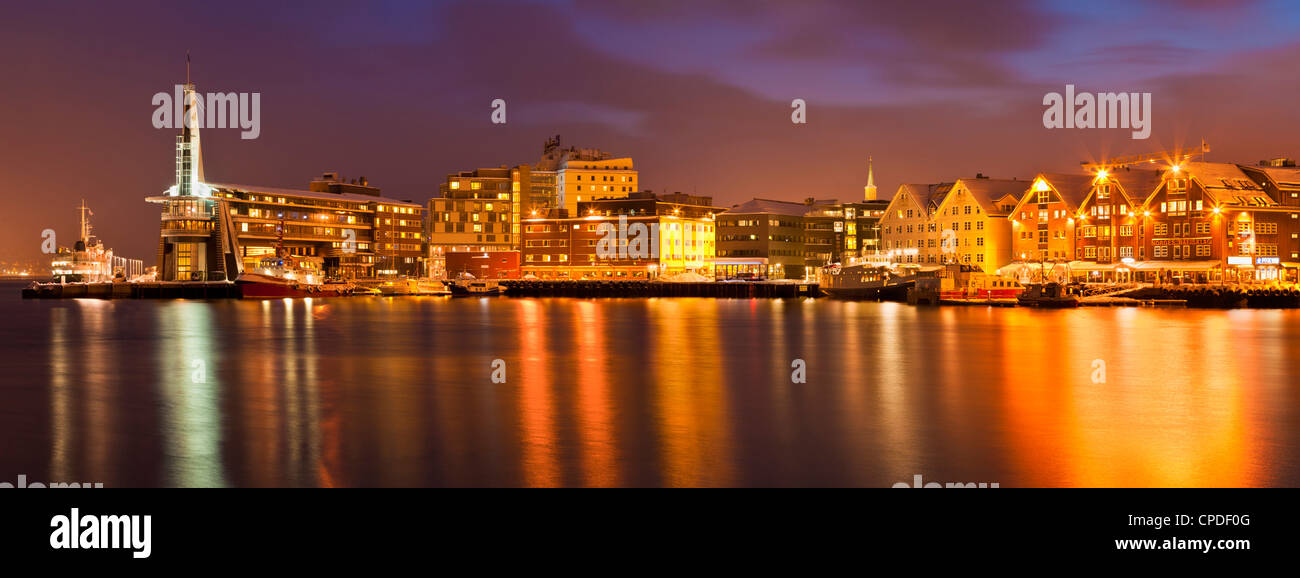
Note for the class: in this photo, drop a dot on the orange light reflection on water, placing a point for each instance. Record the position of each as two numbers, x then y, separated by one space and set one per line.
1170 413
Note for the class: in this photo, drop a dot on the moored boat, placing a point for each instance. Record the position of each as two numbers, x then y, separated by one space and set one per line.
280 277
476 288
1047 295
413 287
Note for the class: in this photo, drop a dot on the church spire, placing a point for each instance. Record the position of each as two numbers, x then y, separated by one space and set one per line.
869 191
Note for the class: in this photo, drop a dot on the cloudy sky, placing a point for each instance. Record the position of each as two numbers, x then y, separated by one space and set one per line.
698 92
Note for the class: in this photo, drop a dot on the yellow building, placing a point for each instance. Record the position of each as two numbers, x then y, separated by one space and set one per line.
972 224
589 175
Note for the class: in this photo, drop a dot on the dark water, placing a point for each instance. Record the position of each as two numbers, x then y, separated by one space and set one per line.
674 392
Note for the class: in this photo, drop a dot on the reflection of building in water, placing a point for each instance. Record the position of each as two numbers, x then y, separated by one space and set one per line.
189 393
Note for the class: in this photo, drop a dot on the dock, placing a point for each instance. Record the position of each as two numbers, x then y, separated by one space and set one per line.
527 288
725 290
152 290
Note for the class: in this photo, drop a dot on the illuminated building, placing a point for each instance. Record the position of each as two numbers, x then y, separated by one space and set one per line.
1043 222
212 232
972 223
909 234
589 174
1213 221
355 233
190 246
762 237
1109 224
646 236
1281 180
475 212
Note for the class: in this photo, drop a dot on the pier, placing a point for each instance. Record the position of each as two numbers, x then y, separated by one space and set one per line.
155 290
737 290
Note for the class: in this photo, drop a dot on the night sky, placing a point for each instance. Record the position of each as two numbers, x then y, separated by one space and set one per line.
697 92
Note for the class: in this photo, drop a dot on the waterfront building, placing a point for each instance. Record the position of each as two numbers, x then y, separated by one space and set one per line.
1110 225
1213 222
482 210
474 212
1281 180
972 224
212 231
825 234
490 265
1043 222
909 234
862 233
352 231
652 236
762 238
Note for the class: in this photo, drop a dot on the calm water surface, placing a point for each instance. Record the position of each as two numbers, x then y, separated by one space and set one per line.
644 392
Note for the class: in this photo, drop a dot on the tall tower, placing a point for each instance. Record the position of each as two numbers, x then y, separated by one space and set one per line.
869 191
190 246
189 151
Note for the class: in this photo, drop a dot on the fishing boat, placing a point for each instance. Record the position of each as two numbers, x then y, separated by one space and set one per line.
476 288
290 276
1048 295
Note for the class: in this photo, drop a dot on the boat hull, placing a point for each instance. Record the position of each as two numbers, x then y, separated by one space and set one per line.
261 287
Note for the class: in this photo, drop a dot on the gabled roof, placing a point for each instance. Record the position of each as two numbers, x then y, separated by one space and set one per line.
1134 185
987 192
1072 188
926 195
769 207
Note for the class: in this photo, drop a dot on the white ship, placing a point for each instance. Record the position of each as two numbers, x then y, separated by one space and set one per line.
87 261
